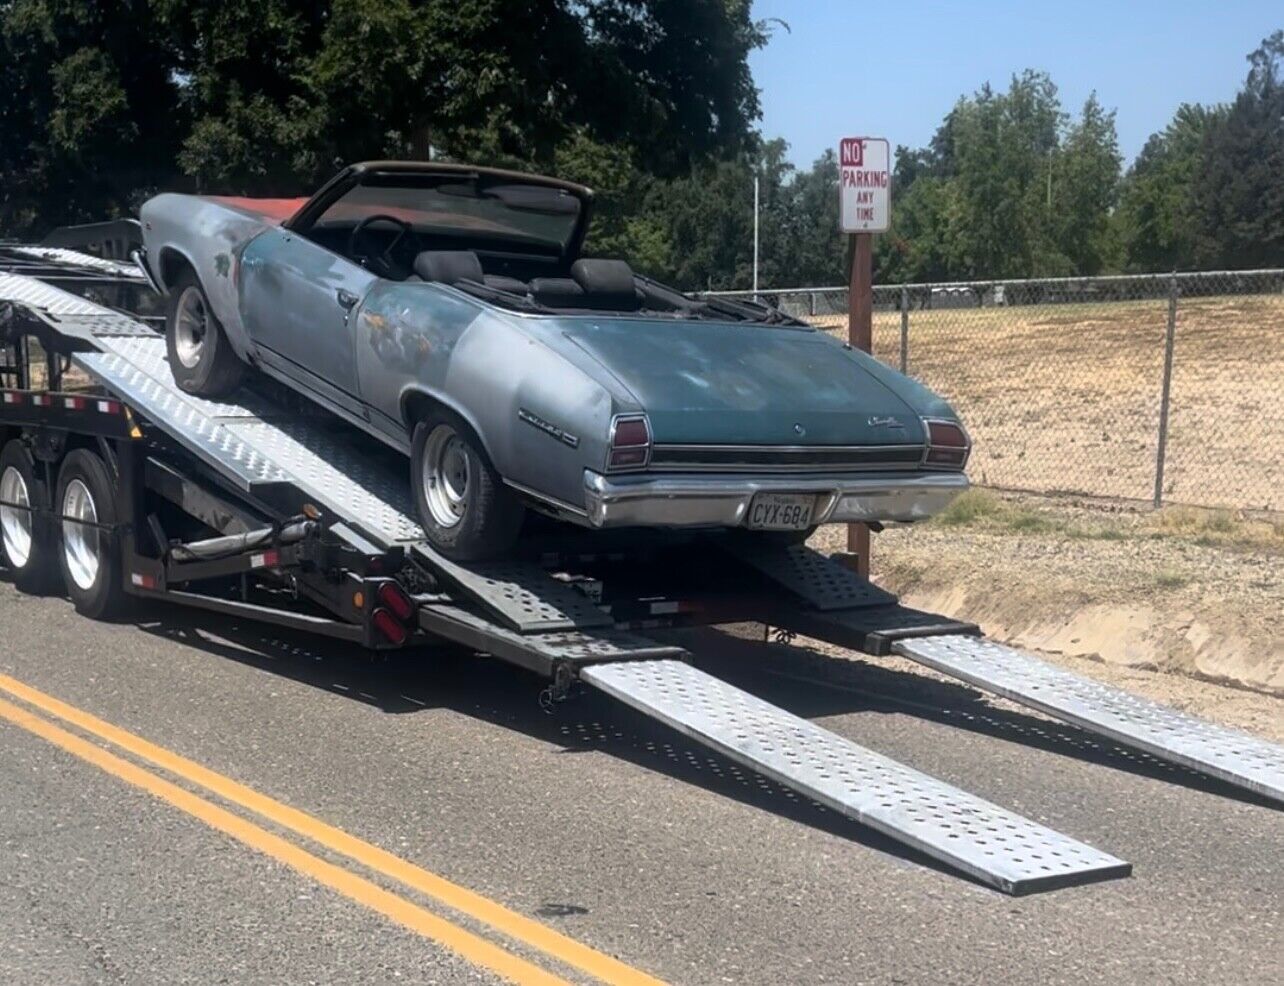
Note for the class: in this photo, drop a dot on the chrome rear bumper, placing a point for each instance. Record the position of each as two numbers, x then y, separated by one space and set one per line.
678 500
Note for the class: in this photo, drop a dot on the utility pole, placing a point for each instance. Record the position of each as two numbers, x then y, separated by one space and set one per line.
755 234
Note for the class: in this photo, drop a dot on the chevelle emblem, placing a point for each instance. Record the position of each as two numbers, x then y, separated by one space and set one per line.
548 428
885 422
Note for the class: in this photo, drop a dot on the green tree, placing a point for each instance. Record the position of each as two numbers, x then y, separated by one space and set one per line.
105 100
1239 180
1155 222
86 110
1085 188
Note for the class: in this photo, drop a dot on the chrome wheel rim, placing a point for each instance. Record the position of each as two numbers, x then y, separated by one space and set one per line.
446 476
191 325
15 517
80 542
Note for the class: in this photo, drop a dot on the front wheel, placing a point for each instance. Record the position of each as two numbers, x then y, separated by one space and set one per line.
467 512
200 357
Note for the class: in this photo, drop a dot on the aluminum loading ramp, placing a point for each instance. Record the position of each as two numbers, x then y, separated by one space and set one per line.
1225 754
983 840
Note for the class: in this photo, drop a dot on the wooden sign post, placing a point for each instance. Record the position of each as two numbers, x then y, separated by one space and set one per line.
860 333
864 208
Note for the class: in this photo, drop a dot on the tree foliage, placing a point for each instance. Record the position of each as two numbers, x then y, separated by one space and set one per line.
1238 189
106 100
650 102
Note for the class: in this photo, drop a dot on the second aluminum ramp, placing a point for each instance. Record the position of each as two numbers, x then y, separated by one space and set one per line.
1202 746
990 843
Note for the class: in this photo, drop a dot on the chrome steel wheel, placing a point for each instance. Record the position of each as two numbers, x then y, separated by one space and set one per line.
446 475
15 517
80 540
191 326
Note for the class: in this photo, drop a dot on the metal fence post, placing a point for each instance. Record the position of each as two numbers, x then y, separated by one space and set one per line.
1165 392
904 328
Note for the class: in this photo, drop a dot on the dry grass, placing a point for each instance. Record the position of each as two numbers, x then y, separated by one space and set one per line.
985 510
1065 398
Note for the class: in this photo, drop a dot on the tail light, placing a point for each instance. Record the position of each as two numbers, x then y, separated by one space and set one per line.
393 598
388 626
630 442
947 444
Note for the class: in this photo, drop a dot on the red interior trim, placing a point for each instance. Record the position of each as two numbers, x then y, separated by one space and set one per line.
278 210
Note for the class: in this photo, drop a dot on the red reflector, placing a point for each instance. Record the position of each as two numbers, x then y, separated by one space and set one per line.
267 559
388 627
629 456
392 596
631 431
942 434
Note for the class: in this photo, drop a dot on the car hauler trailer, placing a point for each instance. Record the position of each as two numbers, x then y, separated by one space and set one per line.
116 484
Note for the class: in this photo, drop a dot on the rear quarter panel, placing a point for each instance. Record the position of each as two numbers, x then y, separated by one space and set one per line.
415 338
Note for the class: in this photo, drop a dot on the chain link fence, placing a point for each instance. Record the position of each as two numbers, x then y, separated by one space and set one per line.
1164 388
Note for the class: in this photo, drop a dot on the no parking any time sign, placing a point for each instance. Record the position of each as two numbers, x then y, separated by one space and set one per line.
864 184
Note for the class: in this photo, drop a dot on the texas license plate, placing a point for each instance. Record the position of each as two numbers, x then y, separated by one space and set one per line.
781 512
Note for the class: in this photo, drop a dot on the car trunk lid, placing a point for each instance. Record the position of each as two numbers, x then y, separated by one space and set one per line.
713 383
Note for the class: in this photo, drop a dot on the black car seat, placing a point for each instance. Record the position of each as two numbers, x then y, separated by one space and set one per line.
453 266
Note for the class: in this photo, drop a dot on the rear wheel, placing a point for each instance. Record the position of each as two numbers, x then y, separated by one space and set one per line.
467 512
90 555
200 357
27 538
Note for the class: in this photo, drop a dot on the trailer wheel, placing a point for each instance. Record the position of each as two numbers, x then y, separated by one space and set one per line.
466 510
90 554
27 539
200 357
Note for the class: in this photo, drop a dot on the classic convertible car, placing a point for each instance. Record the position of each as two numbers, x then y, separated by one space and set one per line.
447 311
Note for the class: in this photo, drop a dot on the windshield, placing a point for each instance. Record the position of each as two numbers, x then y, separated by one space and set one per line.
463 205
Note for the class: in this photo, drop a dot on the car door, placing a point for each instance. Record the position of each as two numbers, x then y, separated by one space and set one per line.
299 303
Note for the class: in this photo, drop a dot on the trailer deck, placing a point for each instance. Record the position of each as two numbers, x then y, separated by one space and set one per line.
252 467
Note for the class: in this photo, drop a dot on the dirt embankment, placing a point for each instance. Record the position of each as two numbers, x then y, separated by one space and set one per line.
1194 593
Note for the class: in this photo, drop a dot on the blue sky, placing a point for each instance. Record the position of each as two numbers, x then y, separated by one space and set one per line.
865 67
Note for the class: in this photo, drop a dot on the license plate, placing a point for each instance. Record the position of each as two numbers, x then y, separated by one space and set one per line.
781 512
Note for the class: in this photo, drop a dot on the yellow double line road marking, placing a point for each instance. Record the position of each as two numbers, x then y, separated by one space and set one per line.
472 947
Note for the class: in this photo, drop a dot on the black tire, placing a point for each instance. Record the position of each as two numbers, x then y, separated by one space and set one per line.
208 367
28 541
489 516
95 589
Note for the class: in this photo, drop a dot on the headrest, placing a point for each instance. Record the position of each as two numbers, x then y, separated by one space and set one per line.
448 266
609 282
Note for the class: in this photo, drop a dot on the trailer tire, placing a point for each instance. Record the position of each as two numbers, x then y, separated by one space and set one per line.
27 536
200 357
467 512
90 555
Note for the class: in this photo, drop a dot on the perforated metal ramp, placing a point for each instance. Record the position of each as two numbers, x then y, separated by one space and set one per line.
519 594
995 846
817 579
253 443
1226 754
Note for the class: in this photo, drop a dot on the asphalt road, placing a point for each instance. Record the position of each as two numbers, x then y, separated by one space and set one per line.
634 844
